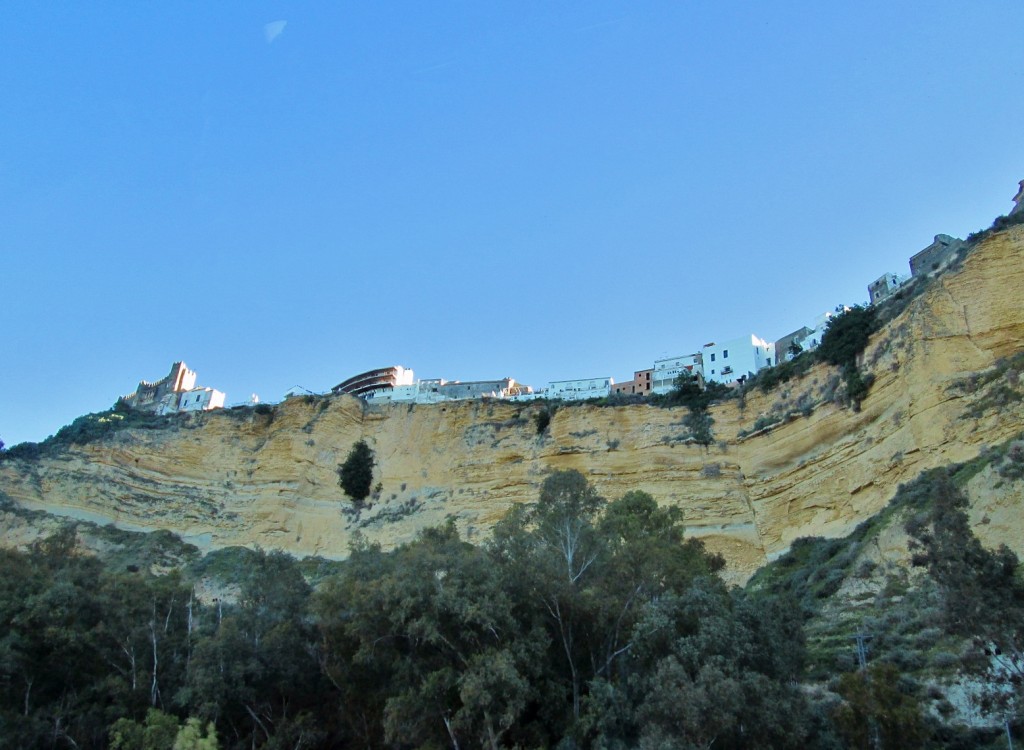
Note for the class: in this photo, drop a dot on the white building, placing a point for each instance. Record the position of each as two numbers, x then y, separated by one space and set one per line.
579 390
728 361
435 390
201 399
666 371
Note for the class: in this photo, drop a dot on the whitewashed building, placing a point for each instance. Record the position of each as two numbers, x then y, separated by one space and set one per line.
666 370
419 392
579 390
201 399
728 361
435 390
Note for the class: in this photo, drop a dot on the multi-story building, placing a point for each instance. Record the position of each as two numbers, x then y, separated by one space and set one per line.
735 359
201 399
370 382
639 385
580 389
455 389
884 286
667 369
434 390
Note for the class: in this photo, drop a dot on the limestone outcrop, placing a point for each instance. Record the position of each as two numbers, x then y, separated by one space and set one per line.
240 477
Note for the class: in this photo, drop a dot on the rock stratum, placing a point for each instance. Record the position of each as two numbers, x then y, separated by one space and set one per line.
942 392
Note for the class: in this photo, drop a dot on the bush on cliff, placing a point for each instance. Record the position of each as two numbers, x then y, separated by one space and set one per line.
844 341
88 428
356 475
847 335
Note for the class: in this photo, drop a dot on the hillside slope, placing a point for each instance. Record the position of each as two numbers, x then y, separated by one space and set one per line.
943 391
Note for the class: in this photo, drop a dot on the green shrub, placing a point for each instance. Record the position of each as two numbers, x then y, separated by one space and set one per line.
846 336
542 420
355 476
857 385
1012 466
23 451
90 428
770 377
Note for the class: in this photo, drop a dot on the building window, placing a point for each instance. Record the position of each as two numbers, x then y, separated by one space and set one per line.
725 354
712 358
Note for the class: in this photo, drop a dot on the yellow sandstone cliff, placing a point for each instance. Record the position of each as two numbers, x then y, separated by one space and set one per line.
229 478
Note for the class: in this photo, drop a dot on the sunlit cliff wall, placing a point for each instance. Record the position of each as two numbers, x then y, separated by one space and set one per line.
230 478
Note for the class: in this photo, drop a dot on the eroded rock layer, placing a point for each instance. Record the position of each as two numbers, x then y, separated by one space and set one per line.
229 478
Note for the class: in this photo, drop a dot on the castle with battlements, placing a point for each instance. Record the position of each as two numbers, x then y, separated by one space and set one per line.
177 392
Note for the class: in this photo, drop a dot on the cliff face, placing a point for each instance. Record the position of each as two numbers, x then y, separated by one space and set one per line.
227 478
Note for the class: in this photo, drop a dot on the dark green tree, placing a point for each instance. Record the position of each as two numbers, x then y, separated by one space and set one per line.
356 475
714 669
687 391
844 340
429 638
591 574
847 335
981 590
874 706
254 670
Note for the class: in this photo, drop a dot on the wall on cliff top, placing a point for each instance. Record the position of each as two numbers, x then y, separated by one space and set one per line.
240 477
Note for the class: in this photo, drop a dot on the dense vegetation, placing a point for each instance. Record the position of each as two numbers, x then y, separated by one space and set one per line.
845 338
687 391
961 614
581 623
843 342
88 428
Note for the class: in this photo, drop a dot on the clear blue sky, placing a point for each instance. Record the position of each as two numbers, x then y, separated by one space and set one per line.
471 189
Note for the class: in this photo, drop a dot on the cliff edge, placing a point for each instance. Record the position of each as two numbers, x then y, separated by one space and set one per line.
946 385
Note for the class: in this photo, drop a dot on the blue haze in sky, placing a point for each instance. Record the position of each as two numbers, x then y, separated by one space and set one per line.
286 194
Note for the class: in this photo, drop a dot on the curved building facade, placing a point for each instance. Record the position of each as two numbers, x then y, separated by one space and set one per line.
372 381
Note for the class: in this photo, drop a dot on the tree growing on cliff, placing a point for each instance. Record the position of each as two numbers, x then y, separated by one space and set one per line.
356 475
847 335
844 341
981 589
